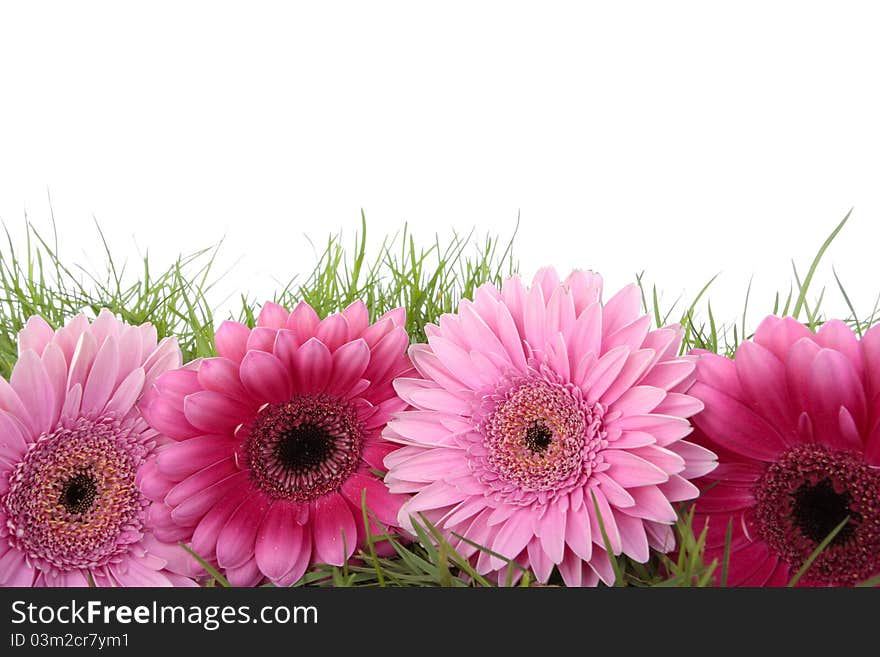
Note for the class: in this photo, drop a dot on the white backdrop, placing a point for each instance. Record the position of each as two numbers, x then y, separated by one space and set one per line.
679 138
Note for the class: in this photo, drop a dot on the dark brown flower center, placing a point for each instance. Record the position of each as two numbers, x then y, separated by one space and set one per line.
78 493
302 449
804 496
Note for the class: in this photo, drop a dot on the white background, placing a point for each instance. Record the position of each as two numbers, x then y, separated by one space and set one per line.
679 138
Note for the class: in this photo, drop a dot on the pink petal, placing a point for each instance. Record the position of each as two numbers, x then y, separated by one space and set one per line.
429 366
762 377
666 429
650 504
639 400
280 541
586 335
246 575
193 496
32 386
720 373
153 484
272 316
333 331
679 405
380 502
622 309
334 530
12 404
603 374
722 498
699 460
607 516
669 374
204 538
457 361
733 426
128 392
181 459
265 378
349 362
534 320
834 384
633 539
636 364
261 338
578 535
632 335
629 470
798 365
509 336
301 565
158 412
512 537
778 334
540 563
871 353
222 375
387 353
836 335
14 570
586 288
13 438
235 543
131 354
358 318
35 335
166 357
213 412
312 365
231 340
303 321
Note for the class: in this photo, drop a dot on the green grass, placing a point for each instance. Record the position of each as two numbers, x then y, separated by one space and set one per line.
428 279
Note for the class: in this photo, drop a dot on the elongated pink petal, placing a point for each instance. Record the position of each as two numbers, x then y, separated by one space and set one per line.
280 541
231 340
312 365
213 412
265 378
32 386
235 543
733 426
335 533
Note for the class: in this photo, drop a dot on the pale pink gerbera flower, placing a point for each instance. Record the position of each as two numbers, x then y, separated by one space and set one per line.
533 403
277 439
71 445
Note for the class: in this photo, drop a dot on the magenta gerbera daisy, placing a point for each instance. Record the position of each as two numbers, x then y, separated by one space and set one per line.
534 408
795 420
278 441
72 444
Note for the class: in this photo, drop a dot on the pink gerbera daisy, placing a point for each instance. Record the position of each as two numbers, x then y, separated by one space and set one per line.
276 441
71 445
795 420
532 404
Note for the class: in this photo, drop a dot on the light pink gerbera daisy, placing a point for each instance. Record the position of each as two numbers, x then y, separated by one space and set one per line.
277 439
795 420
72 443
533 403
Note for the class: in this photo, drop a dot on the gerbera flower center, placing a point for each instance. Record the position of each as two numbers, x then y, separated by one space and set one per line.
808 492
79 493
817 510
537 437
72 501
304 448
